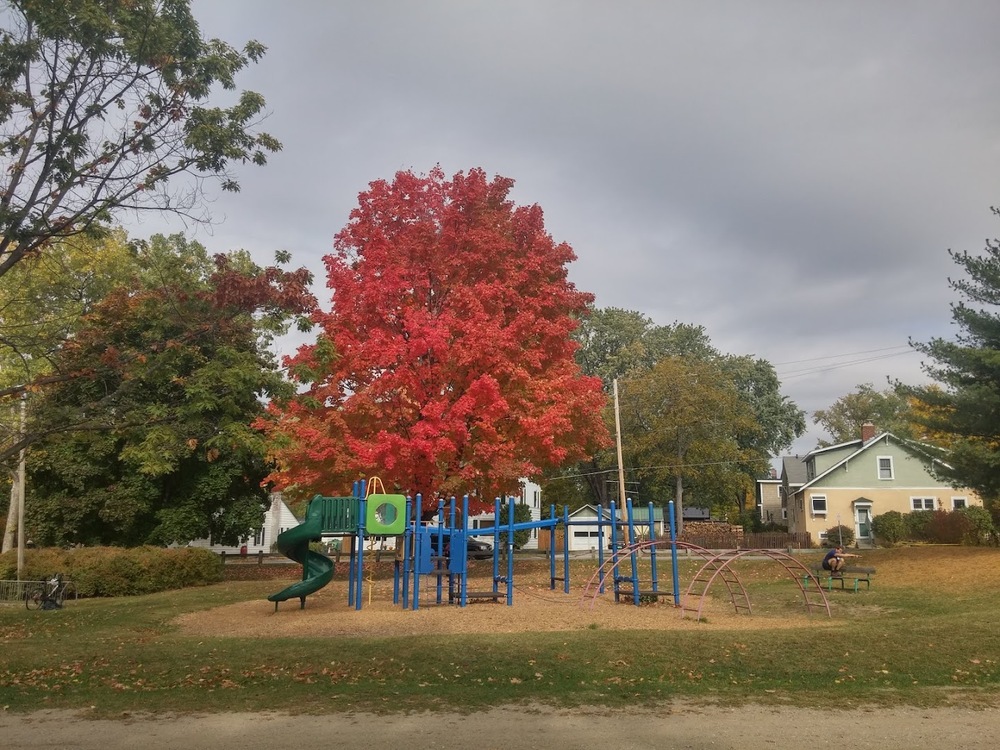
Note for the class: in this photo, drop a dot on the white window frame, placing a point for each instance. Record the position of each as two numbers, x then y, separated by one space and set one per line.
892 470
920 503
959 501
784 514
812 505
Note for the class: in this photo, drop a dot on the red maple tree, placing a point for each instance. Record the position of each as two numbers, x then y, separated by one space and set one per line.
445 363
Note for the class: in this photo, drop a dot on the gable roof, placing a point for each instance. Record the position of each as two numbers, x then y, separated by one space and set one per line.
793 468
922 450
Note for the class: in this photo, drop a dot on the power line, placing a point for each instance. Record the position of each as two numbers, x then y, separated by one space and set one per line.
845 354
838 365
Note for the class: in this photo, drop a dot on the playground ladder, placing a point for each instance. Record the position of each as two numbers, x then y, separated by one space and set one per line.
717 567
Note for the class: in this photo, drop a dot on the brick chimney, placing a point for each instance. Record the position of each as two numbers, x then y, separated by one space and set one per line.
867 432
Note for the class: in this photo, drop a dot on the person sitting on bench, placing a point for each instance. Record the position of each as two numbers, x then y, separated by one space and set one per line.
835 562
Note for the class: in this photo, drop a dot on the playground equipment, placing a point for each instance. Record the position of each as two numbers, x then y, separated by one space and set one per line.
428 549
720 567
317 569
436 552
379 514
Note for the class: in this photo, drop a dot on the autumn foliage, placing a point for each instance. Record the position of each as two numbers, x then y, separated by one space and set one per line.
445 363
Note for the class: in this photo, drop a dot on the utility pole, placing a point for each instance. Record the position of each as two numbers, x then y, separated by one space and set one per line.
20 492
618 442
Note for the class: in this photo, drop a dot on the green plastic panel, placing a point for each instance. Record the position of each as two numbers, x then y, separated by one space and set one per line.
385 515
340 515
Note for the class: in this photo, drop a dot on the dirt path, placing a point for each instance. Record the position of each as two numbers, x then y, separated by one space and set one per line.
686 727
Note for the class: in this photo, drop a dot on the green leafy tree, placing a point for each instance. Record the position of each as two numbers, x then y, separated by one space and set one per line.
102 103
42 301
966 405
149 437
684 419
615 343
777 421
888 410
626 344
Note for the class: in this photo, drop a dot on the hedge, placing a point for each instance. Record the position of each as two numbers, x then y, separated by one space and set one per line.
118 571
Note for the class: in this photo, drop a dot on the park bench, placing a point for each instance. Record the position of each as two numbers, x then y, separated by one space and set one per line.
854 574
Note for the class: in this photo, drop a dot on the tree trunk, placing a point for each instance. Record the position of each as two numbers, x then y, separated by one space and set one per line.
11 527
597 482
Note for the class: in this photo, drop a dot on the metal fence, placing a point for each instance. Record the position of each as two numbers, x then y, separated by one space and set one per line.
12 592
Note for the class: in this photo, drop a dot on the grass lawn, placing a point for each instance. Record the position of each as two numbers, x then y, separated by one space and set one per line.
925 634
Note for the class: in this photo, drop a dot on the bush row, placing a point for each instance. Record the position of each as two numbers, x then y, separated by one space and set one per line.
117 571
973 525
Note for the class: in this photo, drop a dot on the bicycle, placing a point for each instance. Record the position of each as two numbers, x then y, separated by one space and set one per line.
49 595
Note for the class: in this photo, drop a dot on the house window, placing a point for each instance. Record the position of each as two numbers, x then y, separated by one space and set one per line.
885 467
258 537
922 503
784 514
958 502
818 504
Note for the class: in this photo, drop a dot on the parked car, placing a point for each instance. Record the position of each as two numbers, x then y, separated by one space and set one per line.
476 549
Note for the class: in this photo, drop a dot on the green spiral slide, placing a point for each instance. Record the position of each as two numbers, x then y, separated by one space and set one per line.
317 569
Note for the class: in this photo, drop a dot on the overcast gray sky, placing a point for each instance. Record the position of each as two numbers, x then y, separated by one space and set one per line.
788 174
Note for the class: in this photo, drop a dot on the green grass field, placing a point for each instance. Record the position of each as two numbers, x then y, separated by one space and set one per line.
925 634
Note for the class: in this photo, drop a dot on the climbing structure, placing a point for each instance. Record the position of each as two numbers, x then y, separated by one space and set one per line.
719 567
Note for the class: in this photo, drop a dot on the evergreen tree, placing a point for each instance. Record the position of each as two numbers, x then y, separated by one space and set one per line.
967 405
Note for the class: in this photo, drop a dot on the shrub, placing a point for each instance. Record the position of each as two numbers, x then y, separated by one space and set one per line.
839 535
889 528
918 523
980 528
750 521
115 571
947 527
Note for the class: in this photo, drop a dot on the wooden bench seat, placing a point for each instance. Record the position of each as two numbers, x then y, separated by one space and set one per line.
857 574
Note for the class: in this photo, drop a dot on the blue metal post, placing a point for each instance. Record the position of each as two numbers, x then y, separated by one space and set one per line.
440 546
633 555
413 565
496 536
496 545
463 583
361 546
673 553
613 510
552 547
652 550
510 547
566 549
399 566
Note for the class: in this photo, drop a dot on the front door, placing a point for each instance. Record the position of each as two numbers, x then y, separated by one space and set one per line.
863 523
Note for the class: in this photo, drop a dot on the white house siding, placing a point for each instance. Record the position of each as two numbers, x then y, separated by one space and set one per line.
278 518
531 495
